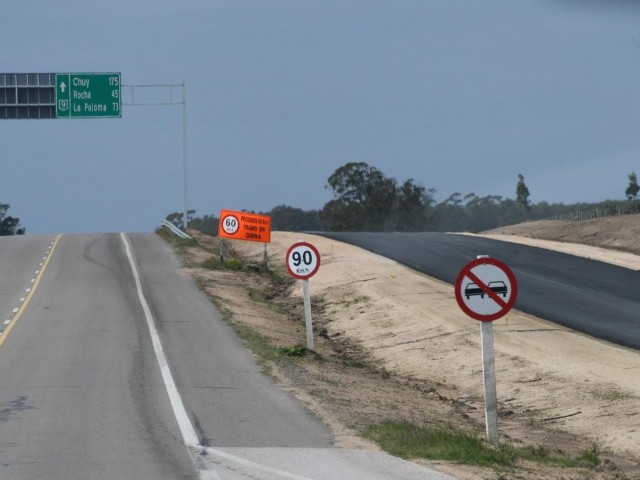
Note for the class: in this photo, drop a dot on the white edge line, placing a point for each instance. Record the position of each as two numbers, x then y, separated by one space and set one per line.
257 466
186 429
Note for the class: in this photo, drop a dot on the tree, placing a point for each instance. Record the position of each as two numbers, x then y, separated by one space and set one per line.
208 224
364 198
413 207
286 218
632 190
177 218
9 225
522 194
449 214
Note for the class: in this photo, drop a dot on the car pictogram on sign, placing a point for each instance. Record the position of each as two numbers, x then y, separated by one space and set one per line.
498 287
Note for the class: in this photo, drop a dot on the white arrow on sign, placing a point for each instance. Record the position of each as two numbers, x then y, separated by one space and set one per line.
63 86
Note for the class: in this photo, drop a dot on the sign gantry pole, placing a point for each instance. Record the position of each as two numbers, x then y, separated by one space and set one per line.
184 150
171 101
81 95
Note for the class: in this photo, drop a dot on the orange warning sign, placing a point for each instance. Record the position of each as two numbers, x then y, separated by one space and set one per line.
244 226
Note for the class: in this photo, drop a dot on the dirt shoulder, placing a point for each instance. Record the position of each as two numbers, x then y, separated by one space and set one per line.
611 239
392 344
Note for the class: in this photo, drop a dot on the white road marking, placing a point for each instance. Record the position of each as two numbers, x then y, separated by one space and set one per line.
28 290
186 429
33 280
15 310
37 272
205 469
22 299
7 322
257 466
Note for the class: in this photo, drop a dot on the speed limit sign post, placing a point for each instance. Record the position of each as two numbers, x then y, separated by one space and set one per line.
303 262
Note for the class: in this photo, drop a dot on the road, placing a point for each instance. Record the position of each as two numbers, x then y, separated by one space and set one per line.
587 296
113 365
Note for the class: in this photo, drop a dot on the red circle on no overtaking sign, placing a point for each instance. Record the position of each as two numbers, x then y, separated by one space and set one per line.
486 289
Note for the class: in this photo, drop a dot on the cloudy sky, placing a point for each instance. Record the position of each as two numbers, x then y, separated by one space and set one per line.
460 95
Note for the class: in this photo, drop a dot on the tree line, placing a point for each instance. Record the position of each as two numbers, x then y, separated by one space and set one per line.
9 225
365 199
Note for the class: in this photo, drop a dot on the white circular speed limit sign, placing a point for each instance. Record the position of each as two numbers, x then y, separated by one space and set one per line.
230 224
303 260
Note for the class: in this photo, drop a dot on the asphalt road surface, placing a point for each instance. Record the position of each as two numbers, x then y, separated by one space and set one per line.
592 297
113 366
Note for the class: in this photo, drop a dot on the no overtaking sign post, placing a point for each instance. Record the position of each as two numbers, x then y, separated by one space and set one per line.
486 289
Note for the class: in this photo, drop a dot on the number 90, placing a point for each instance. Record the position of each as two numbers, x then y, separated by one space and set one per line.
305 258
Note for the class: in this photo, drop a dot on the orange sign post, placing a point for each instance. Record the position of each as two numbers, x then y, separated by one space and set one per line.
244 226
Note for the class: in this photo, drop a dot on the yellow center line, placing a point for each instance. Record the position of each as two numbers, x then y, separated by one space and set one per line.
34 287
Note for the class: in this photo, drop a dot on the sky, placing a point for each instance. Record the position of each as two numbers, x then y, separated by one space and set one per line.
460 95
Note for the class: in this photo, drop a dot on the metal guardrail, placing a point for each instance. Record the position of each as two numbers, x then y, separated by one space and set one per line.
175 230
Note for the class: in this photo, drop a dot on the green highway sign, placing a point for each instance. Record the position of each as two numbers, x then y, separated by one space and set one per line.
88 95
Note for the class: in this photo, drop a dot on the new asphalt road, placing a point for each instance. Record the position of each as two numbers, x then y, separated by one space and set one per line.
596 298
113 366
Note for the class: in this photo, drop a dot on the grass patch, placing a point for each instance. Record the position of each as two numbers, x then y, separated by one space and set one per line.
233 264
257 343
181 245
410 441
356 300
295 351
613 395
211 263
257 295
557 458
354 362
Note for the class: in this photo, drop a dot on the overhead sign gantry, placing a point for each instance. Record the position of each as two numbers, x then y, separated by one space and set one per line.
60 95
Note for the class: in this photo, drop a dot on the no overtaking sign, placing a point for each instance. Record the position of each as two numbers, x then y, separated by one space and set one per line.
486 289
